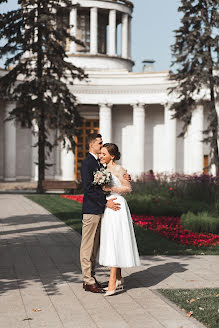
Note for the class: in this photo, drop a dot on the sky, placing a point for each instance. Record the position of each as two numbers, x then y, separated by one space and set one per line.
152 31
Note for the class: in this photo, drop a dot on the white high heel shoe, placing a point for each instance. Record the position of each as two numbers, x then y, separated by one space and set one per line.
119 287
120 283
111 292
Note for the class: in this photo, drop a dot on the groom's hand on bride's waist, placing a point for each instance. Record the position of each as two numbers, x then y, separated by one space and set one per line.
113 206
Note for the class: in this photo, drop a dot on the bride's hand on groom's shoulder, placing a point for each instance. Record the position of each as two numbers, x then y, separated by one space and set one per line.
127 177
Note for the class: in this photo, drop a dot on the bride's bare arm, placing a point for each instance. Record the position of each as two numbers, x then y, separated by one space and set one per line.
125 184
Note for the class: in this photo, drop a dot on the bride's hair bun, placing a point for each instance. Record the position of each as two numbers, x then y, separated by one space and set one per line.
113 150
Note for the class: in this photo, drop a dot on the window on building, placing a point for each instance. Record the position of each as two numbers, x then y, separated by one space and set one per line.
102 32
63 22
83 30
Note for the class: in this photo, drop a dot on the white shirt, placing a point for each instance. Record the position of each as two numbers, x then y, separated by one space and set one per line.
97 158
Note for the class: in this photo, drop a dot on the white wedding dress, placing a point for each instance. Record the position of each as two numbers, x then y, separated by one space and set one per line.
118 247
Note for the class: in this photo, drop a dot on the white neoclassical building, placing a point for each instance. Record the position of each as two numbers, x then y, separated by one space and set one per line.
129 109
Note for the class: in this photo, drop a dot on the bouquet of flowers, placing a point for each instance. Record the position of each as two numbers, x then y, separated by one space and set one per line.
102 177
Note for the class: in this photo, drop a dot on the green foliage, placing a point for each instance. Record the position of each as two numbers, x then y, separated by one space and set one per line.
174 195
148 205
40 75
200 222
195 63
205 305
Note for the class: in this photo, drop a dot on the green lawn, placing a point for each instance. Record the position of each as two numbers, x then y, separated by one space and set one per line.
204 303
149 243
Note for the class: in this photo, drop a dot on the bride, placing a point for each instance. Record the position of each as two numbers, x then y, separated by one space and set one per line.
118 248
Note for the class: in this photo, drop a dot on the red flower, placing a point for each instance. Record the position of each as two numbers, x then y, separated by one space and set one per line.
171 228
77 198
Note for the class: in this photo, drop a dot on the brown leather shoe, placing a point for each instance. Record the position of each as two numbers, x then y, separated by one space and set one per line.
97 283
92 288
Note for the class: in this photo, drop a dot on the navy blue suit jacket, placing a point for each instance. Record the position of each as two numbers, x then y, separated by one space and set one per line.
94 201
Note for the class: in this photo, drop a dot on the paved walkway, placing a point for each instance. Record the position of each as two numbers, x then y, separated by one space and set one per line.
40 278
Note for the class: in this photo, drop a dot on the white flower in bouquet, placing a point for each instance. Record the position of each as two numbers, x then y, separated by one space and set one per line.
102 177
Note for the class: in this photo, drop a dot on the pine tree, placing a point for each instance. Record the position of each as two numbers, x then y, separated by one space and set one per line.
39 77
195 63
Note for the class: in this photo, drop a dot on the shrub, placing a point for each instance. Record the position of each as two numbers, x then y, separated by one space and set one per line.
174 195
161 206
202 222
199 187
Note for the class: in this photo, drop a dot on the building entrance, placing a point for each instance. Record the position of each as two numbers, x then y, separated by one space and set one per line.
81 149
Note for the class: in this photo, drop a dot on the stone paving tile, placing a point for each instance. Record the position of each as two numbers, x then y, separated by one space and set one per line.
12 311
126 307
40 268
179 324
99 308
35 299
68 306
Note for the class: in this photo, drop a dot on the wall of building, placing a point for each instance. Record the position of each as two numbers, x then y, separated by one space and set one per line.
123 134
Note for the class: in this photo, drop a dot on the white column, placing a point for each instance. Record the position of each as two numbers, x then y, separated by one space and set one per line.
57 169
67 163
9 146
94 31
170 129
73 29
105 118
35 131
130 38
112 32
193 145
125 29
139 136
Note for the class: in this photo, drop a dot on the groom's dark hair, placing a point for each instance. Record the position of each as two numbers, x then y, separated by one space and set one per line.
92 137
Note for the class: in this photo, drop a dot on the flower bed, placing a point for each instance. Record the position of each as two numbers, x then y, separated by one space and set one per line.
169 227
77 198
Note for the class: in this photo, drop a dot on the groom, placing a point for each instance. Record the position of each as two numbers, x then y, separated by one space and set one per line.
94 204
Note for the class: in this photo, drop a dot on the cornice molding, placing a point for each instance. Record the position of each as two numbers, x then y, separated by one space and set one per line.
116 90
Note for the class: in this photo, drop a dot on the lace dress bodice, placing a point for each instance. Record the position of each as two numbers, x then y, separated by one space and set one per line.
115 183
119 184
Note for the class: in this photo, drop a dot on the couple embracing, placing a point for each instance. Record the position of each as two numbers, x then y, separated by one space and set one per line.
107 224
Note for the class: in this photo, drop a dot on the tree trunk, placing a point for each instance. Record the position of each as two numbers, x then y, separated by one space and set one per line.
41 149
41 155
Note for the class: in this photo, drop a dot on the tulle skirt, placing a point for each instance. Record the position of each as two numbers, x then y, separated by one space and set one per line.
118 247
